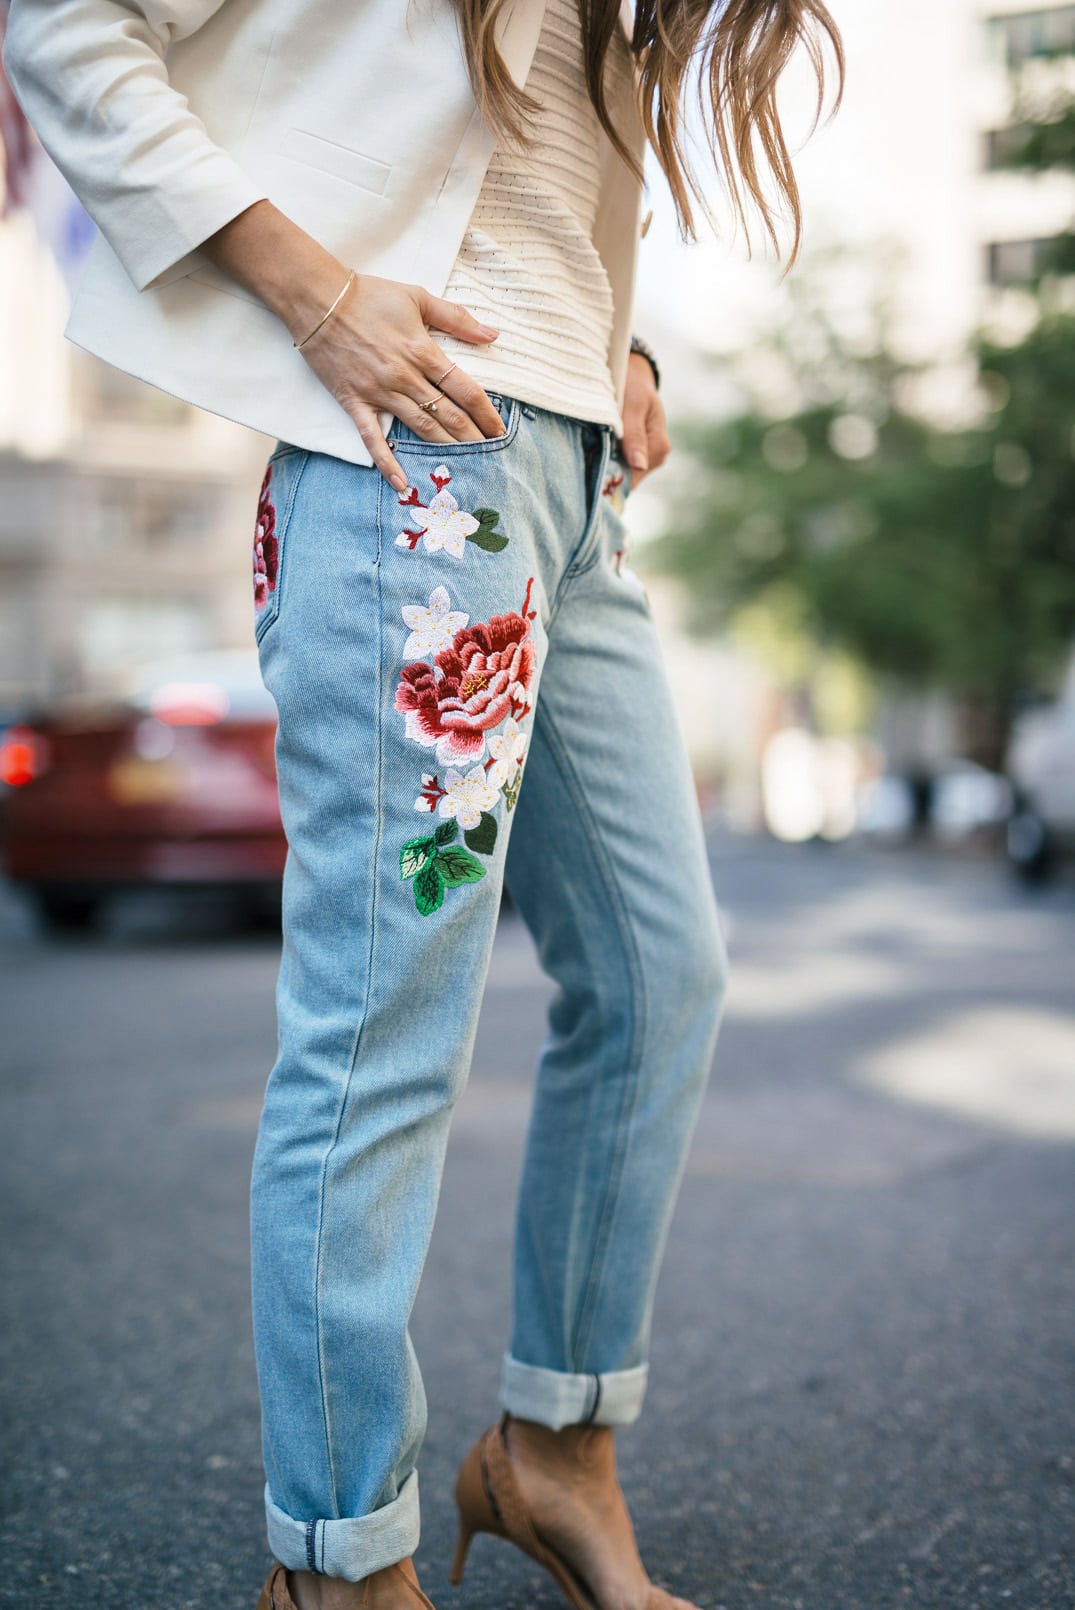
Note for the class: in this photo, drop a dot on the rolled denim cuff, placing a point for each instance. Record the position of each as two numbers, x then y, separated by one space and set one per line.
556 1398
347 1548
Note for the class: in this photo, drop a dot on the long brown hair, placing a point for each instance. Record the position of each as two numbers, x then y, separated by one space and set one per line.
738 51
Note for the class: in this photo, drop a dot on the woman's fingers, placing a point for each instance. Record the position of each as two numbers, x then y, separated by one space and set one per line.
368 426
449 424
452 318
470 398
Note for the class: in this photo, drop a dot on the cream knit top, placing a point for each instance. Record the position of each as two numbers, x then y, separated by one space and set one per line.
527 264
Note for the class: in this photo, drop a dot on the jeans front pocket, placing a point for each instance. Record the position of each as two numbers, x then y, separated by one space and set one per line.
280 483
402 436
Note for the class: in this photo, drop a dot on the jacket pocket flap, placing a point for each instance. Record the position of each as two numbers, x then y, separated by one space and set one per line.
354 166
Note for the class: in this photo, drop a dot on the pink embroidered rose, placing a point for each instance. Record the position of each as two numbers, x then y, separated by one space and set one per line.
266 547
469 688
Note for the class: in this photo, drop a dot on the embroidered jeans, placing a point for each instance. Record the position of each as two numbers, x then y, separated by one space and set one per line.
470 688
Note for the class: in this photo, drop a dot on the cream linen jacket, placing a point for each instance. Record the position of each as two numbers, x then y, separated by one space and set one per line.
355 117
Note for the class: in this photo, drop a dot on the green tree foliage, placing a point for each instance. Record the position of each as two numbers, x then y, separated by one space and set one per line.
941 559
937 558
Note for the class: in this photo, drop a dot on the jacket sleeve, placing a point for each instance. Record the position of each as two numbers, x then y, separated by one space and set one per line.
90 76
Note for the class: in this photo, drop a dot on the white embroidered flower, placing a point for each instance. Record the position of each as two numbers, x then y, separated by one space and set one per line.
443 523
434 627
467 797
508 747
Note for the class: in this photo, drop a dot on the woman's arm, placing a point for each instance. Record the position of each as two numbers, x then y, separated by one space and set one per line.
375 353
91 78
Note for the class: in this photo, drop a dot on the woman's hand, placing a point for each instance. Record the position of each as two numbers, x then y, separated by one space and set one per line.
646 443
374 353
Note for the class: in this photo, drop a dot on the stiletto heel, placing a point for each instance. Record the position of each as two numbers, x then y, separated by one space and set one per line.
455 1575
489 1500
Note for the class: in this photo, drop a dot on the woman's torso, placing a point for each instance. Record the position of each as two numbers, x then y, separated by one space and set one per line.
527 263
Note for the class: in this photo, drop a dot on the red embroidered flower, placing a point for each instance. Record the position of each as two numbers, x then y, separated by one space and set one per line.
470 687
266 548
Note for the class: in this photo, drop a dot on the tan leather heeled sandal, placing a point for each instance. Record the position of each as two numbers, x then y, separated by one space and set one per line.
379 1590
489 1500
275 1595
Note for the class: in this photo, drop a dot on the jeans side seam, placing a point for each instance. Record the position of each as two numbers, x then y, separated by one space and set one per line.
378 771
606 1217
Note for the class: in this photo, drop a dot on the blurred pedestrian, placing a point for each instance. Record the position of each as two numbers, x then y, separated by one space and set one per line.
402 241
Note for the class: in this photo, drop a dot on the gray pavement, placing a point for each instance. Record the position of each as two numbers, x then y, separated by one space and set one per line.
862 1388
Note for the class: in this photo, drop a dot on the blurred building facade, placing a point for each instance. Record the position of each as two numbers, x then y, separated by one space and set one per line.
126 516
1019 216
911 163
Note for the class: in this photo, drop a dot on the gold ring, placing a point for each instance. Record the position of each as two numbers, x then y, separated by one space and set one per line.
446 373
431 406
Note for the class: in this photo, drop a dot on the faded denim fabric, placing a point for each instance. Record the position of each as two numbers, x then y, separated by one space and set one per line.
470 688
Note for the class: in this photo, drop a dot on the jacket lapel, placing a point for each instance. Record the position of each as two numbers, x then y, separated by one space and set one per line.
516 32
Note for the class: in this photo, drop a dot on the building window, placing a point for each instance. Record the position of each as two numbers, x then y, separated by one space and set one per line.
1003 146
1035 33
1020 262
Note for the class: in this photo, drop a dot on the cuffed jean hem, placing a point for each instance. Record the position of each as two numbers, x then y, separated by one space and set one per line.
556 1398
347 1548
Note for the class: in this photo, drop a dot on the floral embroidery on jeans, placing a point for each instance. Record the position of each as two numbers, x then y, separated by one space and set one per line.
477 682
266 547
442 524
617 485
470 687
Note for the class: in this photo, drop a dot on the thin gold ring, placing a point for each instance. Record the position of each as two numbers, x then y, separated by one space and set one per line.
446 373
431 406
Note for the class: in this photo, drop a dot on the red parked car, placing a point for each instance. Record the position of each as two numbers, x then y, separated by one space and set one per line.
173 785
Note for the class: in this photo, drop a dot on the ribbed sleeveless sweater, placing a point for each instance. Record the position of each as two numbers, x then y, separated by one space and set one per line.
527 264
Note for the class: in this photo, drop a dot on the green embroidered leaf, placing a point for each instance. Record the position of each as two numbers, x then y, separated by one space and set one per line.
511 790
486 537
483 837
458 866
415 854
446 831
491 541
429 888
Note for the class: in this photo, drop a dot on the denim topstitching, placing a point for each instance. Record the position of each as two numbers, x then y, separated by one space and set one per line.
371 930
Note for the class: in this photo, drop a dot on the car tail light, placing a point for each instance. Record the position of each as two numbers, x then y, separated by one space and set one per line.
23 756
189 704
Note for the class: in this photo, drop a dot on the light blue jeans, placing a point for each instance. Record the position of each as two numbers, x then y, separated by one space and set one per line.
471 664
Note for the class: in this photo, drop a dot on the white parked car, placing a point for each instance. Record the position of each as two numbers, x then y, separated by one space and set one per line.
1041 765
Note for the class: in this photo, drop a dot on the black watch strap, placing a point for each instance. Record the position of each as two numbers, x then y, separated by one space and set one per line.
638 345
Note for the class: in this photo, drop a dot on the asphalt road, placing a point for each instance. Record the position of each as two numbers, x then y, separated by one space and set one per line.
863 1391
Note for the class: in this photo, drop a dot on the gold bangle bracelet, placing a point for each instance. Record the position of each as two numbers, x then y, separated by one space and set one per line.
353 275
